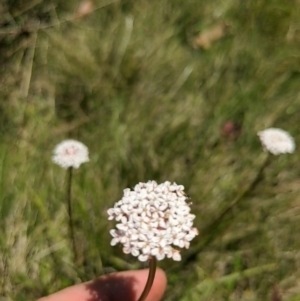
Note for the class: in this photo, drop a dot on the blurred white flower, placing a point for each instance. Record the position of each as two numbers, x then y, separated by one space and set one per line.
277 141
70 153
152 219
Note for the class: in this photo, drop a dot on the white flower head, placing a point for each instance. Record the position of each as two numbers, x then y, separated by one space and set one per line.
152 220
70 153
277 141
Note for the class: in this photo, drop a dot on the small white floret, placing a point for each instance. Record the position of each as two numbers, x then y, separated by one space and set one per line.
70 153
277 141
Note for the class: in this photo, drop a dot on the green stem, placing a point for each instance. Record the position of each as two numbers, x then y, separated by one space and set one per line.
218 226
71 222
150 280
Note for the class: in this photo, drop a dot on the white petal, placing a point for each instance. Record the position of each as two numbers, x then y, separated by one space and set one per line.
143 257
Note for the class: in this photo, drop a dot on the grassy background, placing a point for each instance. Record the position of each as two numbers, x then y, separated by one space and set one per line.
127 80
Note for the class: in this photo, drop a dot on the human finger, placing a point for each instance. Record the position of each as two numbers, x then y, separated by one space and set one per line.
125 286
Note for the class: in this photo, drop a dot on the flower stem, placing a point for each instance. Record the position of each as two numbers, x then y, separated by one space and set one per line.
150 280
69 204
218 226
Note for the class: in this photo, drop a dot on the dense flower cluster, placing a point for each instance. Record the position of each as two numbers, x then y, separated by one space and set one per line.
277 141
152 218
70 153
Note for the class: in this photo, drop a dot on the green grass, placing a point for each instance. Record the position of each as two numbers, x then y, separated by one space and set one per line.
127 82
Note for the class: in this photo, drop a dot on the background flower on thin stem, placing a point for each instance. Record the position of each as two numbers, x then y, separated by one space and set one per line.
70 154
274 141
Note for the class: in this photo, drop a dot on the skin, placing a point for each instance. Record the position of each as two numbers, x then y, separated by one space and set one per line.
122 286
